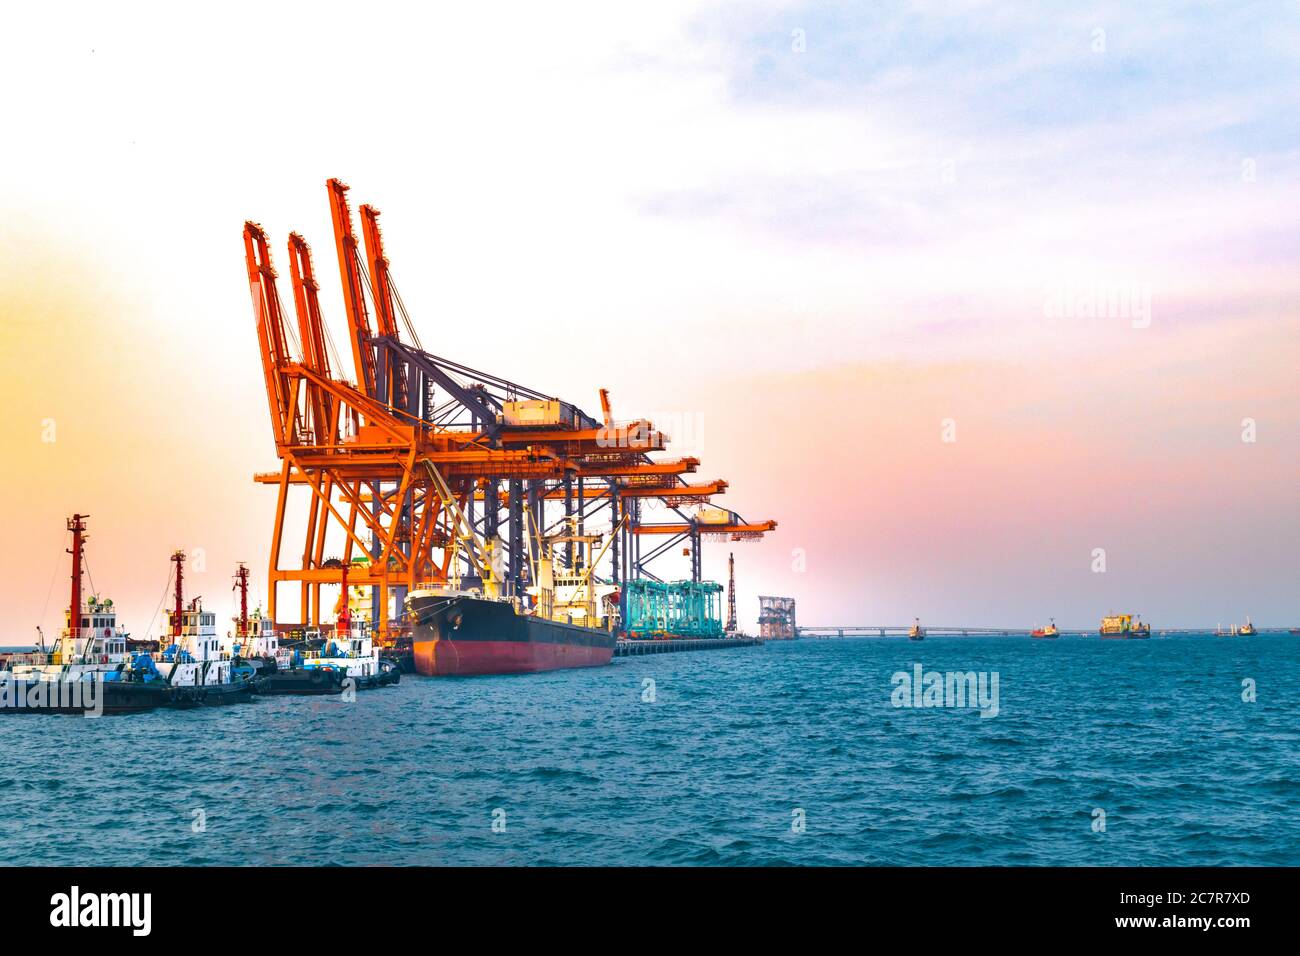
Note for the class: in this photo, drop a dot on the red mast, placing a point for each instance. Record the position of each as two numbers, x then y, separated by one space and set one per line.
241 582
178 558
77 525
344 624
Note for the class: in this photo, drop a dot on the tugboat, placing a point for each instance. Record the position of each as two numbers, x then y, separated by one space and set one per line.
916 632
1247 629
351 651
559 622
1048 632
1126 627
193 664
255 640
323 665
90 669
256 645
289 674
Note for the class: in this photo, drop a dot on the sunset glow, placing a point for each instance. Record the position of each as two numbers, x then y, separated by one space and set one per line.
810 260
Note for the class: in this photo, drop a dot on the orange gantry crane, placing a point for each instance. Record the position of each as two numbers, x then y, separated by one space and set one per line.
419 466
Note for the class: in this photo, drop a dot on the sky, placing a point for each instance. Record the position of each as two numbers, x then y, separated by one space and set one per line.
958 293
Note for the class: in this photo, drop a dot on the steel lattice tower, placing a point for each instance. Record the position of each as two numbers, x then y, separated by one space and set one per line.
731 593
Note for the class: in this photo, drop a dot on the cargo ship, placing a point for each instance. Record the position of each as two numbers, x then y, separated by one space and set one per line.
1247 629
1049 631
1126 627
562 621
916 632
467 634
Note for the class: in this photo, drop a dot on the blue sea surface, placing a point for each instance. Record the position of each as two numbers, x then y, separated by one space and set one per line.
720 765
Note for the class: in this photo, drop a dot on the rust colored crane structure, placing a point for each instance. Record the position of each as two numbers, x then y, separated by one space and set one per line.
426 472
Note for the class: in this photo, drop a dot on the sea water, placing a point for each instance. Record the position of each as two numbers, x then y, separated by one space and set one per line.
1174 751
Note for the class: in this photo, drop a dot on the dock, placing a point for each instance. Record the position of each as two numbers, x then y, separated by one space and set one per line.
626 648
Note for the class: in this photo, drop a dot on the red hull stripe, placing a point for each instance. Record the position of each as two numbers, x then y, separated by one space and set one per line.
439 658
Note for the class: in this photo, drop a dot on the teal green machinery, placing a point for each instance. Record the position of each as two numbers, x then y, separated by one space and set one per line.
672 608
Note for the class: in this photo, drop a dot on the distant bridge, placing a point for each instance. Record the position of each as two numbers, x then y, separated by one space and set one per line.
891 630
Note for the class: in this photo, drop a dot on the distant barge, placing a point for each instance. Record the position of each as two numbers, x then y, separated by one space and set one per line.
1124 627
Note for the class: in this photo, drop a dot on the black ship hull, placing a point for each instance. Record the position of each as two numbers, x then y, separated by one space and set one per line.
467 635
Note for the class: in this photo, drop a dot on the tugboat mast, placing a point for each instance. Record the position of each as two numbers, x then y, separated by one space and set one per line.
344 623
178 558
241 582
77 525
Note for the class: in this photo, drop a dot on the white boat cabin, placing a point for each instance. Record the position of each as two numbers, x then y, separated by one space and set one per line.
352 650
91 645
192 654
262 640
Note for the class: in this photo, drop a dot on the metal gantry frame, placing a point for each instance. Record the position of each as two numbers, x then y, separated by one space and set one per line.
417 455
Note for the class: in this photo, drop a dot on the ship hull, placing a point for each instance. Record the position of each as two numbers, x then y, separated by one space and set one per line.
472 636
212 695
56 697
301 681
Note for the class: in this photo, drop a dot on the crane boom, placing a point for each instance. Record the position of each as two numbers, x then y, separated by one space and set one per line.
311 331
363 352
281 389
385 312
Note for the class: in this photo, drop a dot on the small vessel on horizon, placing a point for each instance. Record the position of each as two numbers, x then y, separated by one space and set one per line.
1247 629
916 632
1046 632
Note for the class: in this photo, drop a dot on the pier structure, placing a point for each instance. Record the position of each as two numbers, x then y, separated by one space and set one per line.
638 648
776 618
